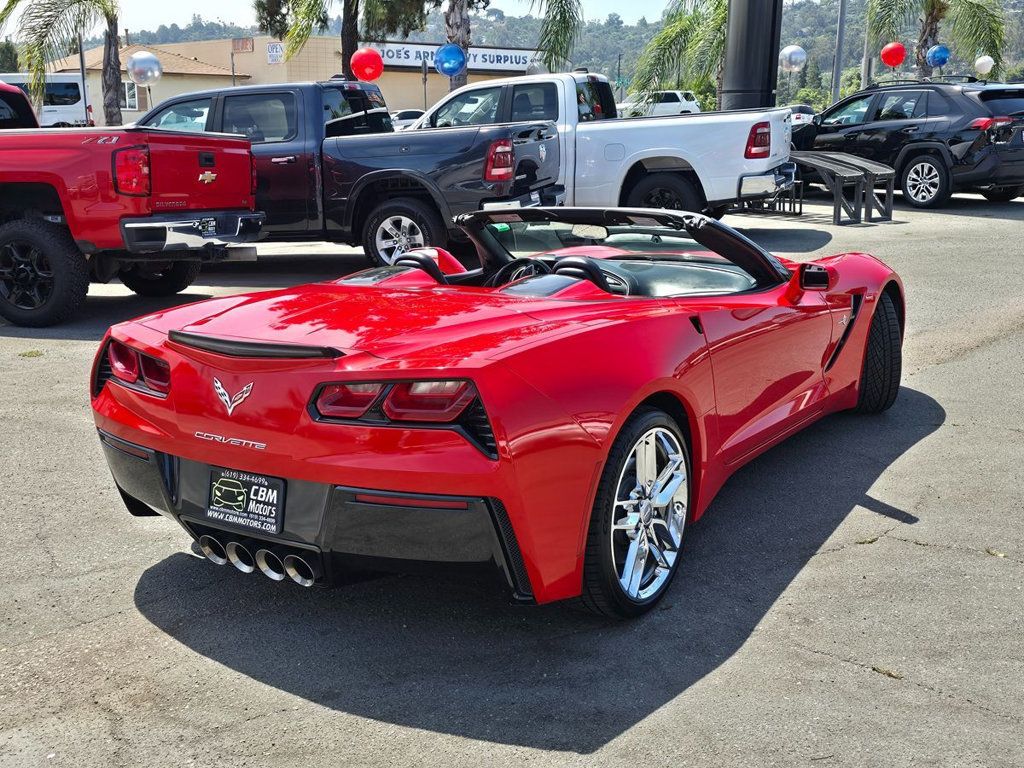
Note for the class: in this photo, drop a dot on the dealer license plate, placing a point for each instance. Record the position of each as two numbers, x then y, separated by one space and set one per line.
245 500
208 227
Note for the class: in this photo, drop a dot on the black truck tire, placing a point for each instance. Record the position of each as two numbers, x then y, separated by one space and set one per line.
664 190
171 279
414 223
44 277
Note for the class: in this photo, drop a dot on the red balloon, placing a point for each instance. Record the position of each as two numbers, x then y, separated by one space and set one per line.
367 64
893 54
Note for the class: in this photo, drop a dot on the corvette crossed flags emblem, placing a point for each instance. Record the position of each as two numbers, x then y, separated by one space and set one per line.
230 403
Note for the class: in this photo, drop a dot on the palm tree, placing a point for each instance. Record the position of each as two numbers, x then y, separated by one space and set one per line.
973 27
690 44
50 29
302 17
559 31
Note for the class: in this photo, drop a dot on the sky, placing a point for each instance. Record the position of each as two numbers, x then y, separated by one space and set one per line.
146 14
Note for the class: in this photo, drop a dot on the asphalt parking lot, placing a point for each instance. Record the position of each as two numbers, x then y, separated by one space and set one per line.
855 597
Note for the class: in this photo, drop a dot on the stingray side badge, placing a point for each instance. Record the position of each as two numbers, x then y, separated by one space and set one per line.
230 403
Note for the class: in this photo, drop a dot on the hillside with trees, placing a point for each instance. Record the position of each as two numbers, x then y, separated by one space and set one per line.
607 44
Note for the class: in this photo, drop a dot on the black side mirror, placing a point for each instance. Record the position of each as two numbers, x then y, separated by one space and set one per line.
814 277
816 119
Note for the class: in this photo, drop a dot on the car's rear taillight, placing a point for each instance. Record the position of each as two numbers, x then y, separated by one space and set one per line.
759 141
990 123
133 367
131 171
124 362
253 180
501 160
156 374
434 401
346 401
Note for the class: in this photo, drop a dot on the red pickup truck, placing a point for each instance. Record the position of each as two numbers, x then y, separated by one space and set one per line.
146 205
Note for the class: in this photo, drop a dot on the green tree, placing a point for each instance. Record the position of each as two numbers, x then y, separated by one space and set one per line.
49 29
299 19
691 45
8 57
973 27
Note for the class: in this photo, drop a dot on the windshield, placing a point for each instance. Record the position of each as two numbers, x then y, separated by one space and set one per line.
645 258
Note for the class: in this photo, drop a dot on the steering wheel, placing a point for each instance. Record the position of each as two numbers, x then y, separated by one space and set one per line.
517 269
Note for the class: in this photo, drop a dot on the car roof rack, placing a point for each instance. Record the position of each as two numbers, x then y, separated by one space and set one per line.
884 83
956 78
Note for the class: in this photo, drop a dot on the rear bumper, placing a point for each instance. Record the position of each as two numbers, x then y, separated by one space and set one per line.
768 184
343 528
998 166
203 231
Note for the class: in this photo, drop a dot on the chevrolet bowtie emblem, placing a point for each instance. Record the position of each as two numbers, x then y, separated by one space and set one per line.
207 177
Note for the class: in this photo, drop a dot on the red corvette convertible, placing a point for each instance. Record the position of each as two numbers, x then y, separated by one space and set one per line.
561 415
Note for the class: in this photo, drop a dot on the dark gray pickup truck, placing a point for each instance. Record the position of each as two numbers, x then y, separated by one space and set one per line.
331 167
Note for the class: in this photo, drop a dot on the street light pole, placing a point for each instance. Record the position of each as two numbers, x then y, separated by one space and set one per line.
837 67
618 76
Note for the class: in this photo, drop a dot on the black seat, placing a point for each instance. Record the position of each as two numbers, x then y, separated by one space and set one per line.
522 107
585 268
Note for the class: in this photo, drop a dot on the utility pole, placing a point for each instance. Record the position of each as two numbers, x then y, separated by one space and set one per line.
618 76
865 62
837 67
81 68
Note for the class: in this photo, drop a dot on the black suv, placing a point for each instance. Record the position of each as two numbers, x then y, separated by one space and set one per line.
941 137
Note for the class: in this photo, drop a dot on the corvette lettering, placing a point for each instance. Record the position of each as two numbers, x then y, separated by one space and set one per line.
231 441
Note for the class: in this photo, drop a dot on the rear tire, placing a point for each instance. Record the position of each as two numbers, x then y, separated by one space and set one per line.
1002 194
924 181
624 522
44 277
172 279
664 190
883 360
396 226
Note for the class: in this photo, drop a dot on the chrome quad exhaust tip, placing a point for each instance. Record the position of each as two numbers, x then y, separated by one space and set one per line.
270 565
300 570
240 556
213 550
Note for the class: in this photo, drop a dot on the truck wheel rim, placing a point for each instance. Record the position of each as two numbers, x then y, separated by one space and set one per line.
649 514
923 182
663 198
26 277
396 235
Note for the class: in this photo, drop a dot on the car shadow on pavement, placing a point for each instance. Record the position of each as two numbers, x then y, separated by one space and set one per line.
452 657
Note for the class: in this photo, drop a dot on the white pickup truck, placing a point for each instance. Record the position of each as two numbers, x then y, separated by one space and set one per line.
700 162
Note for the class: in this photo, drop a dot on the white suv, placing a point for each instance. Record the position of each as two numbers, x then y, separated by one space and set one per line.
663 103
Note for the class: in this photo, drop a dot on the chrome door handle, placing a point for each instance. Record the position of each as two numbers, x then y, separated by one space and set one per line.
909 129
283 160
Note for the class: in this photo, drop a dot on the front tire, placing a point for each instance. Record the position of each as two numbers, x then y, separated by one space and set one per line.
883 360
1002 194
396 226
44 277
165 281
639 520
925 182
664 190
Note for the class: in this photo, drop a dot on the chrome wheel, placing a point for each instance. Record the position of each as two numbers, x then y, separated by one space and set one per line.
651 503
923 182
397 234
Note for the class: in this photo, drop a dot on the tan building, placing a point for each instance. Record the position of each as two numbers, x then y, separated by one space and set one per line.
182 73
203 64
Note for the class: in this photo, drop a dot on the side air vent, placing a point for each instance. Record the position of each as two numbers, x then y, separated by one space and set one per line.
856 300
513 556
103 373
478 427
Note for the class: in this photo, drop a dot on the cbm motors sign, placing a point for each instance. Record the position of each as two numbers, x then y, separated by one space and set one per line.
479 59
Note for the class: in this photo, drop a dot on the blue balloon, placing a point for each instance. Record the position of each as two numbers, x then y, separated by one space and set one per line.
937 56
450 60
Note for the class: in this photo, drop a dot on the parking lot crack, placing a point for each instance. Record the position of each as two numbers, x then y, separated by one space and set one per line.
900 677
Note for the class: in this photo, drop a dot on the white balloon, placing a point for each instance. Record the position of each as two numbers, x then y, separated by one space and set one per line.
984 64
143 68
792 58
